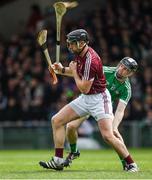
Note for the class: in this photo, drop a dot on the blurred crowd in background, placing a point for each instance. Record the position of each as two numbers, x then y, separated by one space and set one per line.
116 30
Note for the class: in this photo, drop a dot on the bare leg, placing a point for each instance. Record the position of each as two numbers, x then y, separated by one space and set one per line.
118 135
71 130
72 136
105 126
65 115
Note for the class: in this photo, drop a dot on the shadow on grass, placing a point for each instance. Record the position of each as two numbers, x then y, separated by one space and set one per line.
64 171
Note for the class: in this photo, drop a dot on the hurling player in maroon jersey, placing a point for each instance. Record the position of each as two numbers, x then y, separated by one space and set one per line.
95 99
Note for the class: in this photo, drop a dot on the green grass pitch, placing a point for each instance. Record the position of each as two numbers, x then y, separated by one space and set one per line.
101 164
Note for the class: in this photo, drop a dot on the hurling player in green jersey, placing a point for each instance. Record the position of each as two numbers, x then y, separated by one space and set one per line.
118 84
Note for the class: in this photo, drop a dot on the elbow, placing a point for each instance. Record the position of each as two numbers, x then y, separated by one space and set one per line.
85 91
83 87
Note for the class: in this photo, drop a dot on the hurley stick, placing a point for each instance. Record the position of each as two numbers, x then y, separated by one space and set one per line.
42 41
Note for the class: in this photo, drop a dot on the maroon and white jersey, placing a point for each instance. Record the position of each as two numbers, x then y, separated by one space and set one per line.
89 67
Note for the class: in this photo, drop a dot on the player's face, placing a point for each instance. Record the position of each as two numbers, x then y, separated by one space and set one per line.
123 71
73 47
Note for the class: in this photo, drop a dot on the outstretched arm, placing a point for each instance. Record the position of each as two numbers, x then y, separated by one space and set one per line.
119 114
118 118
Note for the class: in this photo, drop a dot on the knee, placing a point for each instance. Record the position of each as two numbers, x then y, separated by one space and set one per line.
71 127
55 121
108 137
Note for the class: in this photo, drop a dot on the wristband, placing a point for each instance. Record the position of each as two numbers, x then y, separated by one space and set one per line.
63 70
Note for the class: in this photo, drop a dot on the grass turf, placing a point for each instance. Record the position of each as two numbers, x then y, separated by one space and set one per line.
103 164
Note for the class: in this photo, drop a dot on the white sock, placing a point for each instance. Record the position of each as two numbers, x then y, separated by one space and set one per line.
58 160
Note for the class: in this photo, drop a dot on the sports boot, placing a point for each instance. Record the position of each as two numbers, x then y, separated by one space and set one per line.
132 167
71 157
52 164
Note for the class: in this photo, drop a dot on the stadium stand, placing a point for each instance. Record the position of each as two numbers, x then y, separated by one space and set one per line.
118 29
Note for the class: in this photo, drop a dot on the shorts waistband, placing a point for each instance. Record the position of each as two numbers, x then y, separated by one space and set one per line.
95 93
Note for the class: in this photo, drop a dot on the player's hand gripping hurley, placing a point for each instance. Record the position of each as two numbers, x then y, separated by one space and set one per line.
60 10
41 38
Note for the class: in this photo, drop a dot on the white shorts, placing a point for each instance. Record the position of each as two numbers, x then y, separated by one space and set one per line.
98 106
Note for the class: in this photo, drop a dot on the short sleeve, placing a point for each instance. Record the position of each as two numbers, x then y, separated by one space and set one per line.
89 68
126 94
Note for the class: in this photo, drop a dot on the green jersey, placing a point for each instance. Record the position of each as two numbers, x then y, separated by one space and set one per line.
117 89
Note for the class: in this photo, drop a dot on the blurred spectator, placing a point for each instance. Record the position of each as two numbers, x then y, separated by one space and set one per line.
36 99
148 118
118 29
147 75
35 17
3 106
13 110
137 110
148 102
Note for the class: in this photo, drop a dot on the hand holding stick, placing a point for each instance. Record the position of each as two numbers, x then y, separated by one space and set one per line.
41 39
